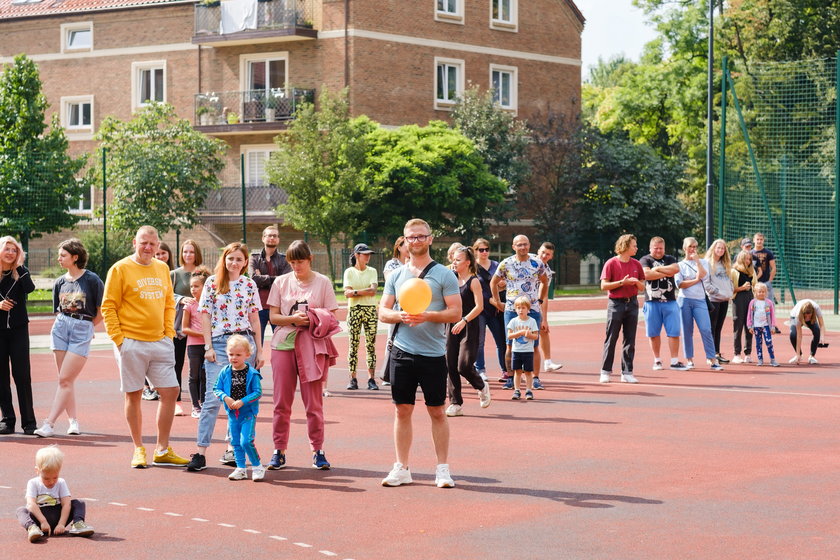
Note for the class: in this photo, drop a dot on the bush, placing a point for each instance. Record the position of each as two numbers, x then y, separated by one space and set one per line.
119 246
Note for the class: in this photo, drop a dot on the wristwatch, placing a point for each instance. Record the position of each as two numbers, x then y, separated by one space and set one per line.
540 301
207 347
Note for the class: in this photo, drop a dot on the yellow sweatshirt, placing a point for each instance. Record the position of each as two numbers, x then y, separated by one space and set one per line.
139 302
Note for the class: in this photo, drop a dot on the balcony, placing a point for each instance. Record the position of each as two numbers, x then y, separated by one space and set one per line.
243 112
248 22
225 204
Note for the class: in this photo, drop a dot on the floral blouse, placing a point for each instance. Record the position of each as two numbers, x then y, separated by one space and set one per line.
230 312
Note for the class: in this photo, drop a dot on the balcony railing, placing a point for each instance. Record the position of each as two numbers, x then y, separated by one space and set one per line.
260 200
254 106
211 19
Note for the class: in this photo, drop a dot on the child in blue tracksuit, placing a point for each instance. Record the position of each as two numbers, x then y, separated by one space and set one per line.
238 387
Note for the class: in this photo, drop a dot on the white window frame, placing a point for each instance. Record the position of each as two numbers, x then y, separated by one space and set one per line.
504 24
246 150
244 59
136 68
514 85
447 16
448 104
68 28
66 102
81 209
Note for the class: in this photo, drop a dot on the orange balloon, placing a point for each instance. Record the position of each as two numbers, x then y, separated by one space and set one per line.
415 296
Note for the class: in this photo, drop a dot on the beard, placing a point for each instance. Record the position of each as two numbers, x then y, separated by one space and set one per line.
418 250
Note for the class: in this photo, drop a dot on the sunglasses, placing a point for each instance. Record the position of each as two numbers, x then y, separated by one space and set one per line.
483 249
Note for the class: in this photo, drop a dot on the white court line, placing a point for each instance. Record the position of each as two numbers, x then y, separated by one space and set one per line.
276 538
718 389
252 531
117 504
200 520
146 509
225 525
174 514
302 545
6 487
327 553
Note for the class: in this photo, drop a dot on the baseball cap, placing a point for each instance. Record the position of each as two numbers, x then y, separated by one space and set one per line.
746 241
362 248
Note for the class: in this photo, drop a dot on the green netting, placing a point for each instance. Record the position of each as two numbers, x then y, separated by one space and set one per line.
789 112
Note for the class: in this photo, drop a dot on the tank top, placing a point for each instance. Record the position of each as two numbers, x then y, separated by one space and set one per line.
467 297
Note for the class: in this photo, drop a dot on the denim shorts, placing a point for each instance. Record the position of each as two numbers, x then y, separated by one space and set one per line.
71 335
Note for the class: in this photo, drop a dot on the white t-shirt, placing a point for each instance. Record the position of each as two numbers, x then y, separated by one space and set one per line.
47 496
760 315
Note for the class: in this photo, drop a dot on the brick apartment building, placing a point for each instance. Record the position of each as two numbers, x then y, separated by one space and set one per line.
236 69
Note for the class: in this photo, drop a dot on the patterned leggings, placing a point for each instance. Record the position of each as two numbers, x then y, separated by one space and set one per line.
763 333
362 316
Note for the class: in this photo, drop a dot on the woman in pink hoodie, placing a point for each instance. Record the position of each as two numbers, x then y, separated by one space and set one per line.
295 301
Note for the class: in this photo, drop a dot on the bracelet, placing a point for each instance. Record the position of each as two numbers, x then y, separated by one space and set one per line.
464 319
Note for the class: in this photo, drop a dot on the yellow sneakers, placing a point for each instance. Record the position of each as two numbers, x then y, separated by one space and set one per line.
139 460
169 458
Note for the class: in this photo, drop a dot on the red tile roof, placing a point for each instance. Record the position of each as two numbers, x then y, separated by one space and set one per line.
13 9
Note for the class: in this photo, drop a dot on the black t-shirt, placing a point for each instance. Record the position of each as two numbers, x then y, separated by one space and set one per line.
664 289
762 259
238 383
82 296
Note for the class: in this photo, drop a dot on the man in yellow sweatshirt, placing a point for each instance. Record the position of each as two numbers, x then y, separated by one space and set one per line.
139 312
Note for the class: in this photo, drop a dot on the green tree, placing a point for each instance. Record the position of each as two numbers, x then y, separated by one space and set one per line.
321 165
159 169
630 188
433 172
38 183
499 137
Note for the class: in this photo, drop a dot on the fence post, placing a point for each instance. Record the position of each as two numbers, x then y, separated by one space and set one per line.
104 270
836 180
722 164
242 182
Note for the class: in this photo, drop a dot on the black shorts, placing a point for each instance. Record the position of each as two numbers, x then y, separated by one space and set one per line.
522 361
409 371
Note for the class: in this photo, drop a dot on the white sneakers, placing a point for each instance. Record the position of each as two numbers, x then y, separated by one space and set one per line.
257 473
605 377
46 430
484 395
548 365
628 378
398 476
73 429
657 365
442 477
238 474
737 360
812 360
454 410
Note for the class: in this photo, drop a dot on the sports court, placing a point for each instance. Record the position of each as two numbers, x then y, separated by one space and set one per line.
743 463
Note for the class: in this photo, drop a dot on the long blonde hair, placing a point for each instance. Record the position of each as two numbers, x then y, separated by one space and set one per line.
21 258
712 259
807 307
744 263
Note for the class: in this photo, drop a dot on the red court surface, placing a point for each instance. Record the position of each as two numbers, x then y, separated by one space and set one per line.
739 464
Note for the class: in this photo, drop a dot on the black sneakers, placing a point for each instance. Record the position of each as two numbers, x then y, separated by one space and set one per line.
197 462
353 385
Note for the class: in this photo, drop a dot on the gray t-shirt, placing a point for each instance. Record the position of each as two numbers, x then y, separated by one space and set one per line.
426 339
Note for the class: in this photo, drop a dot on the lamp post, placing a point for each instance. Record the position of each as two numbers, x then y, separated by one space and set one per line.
710 200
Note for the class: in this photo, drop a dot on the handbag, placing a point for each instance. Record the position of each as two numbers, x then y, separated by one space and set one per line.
386 368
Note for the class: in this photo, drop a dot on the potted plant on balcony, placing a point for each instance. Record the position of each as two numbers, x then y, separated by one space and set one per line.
232 118
271 103
203 114
210 3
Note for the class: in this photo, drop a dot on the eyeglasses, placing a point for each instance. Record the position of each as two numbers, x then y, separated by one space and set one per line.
417 238
483 249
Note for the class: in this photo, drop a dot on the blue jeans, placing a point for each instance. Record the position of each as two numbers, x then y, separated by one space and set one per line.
242 432
696 311
497 329
211 404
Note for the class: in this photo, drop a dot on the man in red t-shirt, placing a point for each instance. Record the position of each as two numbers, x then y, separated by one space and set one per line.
624 278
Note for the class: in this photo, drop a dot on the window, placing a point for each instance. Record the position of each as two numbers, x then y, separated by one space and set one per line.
85 202
148 82
77 115
256 158
503 84
503 14
449 82
450 11
263 76
77 36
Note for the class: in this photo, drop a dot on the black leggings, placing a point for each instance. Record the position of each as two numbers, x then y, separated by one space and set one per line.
52 514
815 329
717 318
461 350
198 378
180 352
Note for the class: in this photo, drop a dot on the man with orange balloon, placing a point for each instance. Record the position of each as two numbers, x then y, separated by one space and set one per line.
428 299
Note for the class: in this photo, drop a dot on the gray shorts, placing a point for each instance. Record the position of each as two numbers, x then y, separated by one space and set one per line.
139 360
